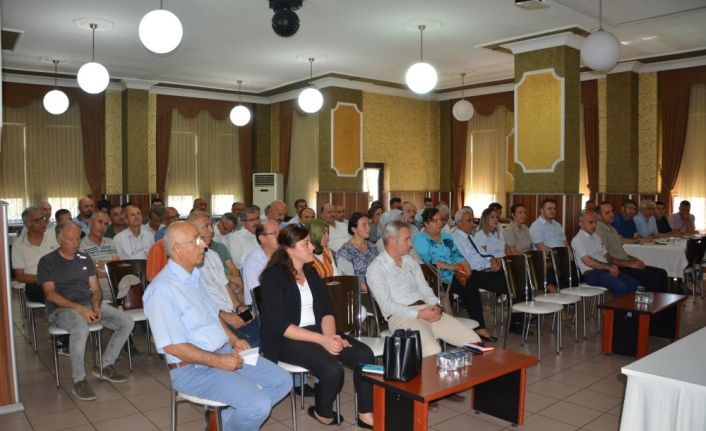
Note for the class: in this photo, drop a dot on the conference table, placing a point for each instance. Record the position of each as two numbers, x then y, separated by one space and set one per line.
667 254
666 390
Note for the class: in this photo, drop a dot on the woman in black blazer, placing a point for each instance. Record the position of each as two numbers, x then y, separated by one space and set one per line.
299 328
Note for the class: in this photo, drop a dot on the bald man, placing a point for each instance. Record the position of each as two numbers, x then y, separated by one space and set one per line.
85 213
202 355
337 231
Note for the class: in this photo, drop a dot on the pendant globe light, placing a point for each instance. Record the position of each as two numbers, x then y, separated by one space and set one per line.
601 49
160 30
93 77
463 109
310 100
239 115
421 77
55 101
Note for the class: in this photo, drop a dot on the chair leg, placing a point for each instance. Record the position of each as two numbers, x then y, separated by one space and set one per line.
583 304
56 359
129 353
576 323
294 405
559 341
507 329
149 342
219 421
33 329
173 410
539 337
301 379
100 354
338 408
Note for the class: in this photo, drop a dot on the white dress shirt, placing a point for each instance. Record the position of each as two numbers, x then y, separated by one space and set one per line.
548 232
493 244
133 247
240 244
338 236
586 244
252 268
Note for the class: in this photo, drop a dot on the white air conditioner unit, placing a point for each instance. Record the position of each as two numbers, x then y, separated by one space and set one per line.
266 188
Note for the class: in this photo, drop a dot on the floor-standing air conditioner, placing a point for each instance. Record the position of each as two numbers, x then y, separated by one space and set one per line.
266 188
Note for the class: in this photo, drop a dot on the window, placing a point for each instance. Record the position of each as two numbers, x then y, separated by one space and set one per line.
182 203
373 176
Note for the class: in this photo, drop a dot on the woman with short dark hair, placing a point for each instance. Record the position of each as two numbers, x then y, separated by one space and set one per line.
354 256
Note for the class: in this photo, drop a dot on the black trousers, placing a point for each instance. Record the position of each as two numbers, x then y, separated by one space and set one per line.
654 279
470 295
328 369
34 292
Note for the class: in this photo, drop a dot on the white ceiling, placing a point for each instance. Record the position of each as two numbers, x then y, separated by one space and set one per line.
227 40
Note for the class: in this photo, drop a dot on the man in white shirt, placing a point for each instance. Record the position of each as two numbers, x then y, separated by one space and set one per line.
592 259
266 234
28 249
242 242
337 231
155 217
224 226
405 298
133 242
546 233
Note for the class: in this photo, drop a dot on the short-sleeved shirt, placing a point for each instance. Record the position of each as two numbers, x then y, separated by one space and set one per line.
548 232
25 255
84 226
133 247
223 254
103 251
678 223
585 244
518 235
240 244
626 228
70 277
350 256
611 240
493 243
252 269
445 251
478 260
215 282
646 226
180 311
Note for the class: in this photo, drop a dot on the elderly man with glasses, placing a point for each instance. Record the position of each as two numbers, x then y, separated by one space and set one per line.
242 242
28 249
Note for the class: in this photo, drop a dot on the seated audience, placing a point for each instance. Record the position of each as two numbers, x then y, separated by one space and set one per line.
428 203
683 221
590 205
276 211
299 328
213 280
654 279
499 209
155 217
661 218
517 236
405 298
170 216
100 249
341 214
324 262
354 256
338 232
157 203
199 205
68 278
62 216
45 207
299 206
395 204
225 225
374 214
624 223
133 242
645 221
489 238
27 250
306 214
546 233
445 215
486 270
266 234
85 212
202 356
241 242
437 247
103 205
410 216
385 218
593 260
117 221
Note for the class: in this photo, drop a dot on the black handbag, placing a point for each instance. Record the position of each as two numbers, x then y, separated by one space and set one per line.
403 355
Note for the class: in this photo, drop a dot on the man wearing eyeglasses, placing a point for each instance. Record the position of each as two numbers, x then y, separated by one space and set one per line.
203 356
242 242
28 249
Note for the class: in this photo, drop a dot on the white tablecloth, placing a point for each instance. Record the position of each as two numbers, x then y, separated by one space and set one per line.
667 389
669 257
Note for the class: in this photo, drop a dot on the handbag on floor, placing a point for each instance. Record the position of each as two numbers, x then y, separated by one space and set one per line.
403 355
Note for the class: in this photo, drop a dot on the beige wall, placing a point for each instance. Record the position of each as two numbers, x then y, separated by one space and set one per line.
648 133
404 134
113 142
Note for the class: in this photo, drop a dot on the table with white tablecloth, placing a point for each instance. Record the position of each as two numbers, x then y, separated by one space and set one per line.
668 255
666 390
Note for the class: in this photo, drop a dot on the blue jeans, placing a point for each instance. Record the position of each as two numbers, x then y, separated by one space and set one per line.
620 285
250 332
251 392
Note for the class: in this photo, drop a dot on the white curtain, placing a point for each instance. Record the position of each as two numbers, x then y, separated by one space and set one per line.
583 167
303 179
486 159
41 158
204 162
691 182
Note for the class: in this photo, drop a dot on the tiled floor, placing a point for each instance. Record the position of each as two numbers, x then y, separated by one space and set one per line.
579 389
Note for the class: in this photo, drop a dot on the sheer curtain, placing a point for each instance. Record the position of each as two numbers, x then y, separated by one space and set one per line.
41 158
304 159
204 162
485 159
691 182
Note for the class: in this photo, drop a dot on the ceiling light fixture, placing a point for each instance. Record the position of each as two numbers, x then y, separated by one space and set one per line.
239 115
600 50
421 77
285 22
463 109
160 30
55 101
93 77
310 100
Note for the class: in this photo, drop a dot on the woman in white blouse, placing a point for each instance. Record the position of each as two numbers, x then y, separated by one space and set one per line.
489 237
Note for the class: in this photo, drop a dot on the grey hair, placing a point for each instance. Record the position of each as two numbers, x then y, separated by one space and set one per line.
26 212
392 230
252 209
59 229
443 208
159 212
198 213
230 217
169 240
459 214
583 213
645 202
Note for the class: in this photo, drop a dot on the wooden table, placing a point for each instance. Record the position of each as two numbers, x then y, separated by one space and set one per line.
497 378
627 325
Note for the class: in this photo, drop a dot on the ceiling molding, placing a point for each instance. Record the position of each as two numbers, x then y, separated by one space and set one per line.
502 45
560 39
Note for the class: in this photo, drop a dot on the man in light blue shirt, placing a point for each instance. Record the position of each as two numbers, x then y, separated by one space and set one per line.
266 235
546 233
645 221
203 357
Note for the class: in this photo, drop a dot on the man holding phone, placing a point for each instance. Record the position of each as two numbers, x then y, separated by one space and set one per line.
235 316
405 298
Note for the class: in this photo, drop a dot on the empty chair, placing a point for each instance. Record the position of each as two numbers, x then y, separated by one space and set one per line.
693 273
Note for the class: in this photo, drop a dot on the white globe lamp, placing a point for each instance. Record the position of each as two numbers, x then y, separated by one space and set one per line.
240 115
601 51
93 77
421 77
463 110
310 100
160 31
56 102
